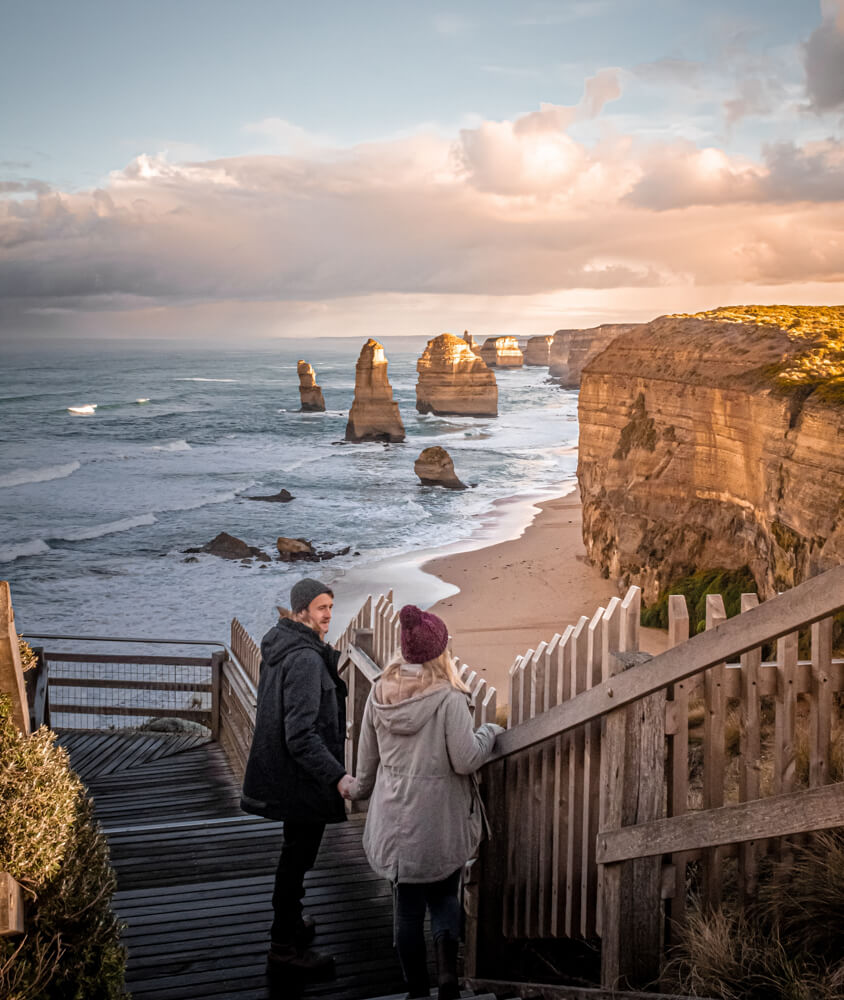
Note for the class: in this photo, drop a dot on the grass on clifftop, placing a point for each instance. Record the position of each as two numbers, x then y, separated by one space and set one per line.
818 335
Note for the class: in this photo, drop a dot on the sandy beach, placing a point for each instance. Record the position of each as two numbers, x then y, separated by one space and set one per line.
516 593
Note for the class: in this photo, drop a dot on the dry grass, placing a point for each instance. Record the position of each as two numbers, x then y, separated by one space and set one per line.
50 843
789 947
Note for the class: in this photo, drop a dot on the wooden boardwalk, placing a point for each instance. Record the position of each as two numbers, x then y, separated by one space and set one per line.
195 877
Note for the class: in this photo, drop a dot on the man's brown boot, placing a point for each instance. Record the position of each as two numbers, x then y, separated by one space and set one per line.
309 964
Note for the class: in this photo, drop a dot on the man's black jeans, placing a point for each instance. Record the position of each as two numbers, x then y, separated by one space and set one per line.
298 855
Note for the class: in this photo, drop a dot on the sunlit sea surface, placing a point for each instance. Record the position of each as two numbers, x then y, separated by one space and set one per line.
98 507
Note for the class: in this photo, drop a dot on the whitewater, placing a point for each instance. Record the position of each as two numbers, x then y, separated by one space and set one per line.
96 513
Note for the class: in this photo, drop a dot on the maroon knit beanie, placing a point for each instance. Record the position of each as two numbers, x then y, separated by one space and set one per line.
423 635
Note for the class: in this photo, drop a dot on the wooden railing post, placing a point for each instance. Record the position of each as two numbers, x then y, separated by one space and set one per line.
632 783
217 660
11 906
11 671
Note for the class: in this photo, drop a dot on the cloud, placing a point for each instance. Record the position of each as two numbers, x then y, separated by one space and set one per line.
508 208
824 59
21 187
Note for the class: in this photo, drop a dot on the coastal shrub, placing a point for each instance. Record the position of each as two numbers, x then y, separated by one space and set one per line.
51 844
789 946
730 584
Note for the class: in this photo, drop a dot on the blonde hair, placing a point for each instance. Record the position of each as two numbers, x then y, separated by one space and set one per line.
442 668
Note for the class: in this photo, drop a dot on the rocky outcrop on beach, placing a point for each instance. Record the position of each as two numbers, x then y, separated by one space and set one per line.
309 392
374 415
436 468
716 441
538 350
226 546
283 496
454 380
301 550
572 350
502 352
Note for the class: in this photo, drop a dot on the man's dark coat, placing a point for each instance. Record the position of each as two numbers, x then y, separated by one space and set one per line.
296 758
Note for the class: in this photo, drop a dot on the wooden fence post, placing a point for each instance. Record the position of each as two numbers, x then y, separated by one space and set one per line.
11 906
632 785
677 724
217 660
11 671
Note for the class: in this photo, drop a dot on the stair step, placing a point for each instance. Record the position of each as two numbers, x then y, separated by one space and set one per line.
466 994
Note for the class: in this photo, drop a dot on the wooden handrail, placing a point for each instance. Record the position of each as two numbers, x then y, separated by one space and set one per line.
805 604
367 666
777 816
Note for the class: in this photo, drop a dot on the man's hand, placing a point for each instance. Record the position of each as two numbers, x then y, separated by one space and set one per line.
344 786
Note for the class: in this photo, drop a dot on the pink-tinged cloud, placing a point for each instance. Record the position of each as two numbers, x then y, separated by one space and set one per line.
515 208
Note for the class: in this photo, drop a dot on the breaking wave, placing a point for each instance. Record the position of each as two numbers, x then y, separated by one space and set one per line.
18 550
98 530
170 446
43 475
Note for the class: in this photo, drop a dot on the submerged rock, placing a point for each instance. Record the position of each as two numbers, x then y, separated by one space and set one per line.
310 393
283 496
374 415
435 468
454 380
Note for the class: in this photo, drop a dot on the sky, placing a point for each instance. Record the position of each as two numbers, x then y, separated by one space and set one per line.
220 170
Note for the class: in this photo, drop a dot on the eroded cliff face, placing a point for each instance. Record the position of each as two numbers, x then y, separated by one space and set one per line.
310 393
572 350
374 415
538 350
706 444
454 380
502 352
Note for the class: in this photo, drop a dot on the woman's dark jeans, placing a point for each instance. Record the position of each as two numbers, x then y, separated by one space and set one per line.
412 899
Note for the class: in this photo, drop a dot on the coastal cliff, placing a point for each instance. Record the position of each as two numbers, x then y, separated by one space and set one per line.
538 350
716 441
310 393
572 350
374 415
502 352
454 380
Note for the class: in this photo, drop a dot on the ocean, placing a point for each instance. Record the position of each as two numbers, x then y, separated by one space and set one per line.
98 507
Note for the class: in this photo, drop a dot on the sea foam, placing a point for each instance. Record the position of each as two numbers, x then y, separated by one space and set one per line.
98 530
21 477
170 446
18 550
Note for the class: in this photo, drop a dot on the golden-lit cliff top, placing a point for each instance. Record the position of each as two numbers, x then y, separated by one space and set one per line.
817 333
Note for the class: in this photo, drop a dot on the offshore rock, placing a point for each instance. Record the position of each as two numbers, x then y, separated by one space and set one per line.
283 496
572 350
470 340
538 350
454 380
502 352
226 546
309 392
374 415
716 441
435 468
300 550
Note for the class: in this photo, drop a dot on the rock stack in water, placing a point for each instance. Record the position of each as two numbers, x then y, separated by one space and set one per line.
374 415
714 442
454 380
435 468
309 392
538 350
572 350
470 340
502 352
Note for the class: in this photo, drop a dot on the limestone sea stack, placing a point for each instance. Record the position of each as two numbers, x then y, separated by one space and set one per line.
470 340
374 415
714 441
502 352
309 392
538 350
454 380
572 350
436 468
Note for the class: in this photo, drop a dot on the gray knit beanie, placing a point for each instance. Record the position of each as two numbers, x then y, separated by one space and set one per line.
305 591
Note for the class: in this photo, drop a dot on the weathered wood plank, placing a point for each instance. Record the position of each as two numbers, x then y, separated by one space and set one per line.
11 906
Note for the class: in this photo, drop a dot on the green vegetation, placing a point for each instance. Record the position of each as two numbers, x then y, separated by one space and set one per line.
817 364
730 584
639 433
789 946
50 843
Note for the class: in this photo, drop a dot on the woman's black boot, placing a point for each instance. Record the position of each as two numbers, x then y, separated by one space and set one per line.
446 949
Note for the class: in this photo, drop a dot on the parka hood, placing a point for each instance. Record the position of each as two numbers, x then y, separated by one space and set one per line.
405 701
286 636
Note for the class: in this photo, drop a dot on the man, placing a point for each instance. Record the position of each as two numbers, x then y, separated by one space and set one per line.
295 770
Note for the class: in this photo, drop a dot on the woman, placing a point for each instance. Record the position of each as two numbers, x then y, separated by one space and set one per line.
416 756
